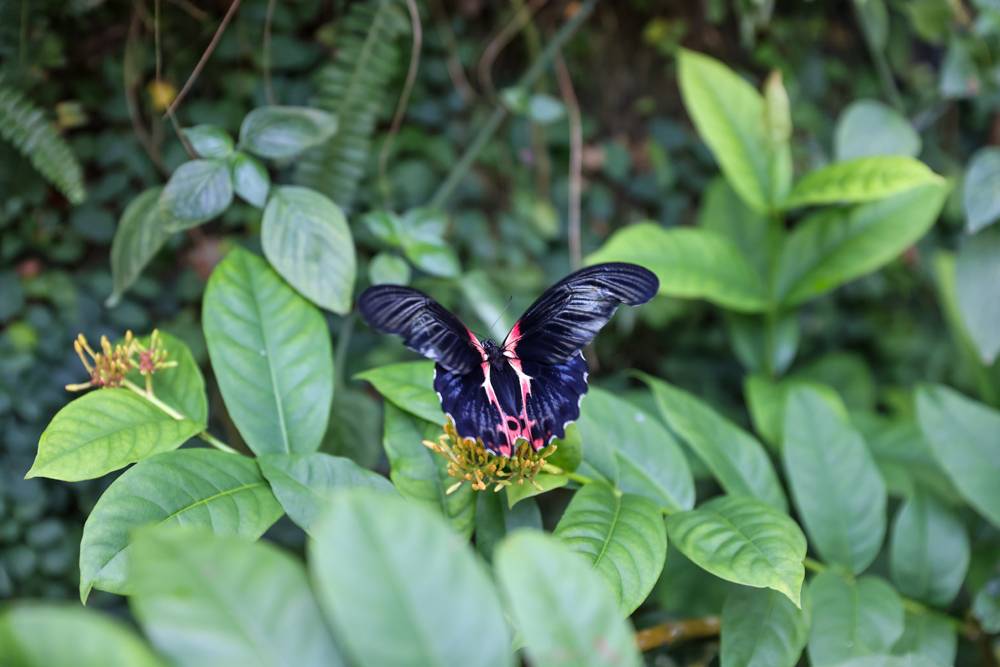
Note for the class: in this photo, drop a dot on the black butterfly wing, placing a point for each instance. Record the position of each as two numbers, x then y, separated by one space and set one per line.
570 313
426 326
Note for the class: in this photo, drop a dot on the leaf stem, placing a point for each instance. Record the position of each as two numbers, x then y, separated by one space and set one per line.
575 476
670 633
151 397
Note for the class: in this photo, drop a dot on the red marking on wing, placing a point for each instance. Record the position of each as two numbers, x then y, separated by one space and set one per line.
510 343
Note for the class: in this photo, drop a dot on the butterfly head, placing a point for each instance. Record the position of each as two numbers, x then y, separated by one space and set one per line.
494 353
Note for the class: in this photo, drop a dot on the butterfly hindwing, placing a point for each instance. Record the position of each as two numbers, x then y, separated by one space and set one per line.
570 313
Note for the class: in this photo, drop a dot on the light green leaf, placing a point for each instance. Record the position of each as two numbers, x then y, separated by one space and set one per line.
197 191
986 606
182 387
766 399
270 350
303 483
483 295
743 540
209 141
754 234
409 386
930 550
977 276
737 460
965 439
306 238
207 600
436 258
851 619
543 483
622 535
250 179
648 458
282 132
140 234
929 635
40 634
861 180
886 660
847 374
836 245
835 483
981 191
761 628
224 492
690 263
730 117
401 588
495 520
869 127
541 578
388 269
103 431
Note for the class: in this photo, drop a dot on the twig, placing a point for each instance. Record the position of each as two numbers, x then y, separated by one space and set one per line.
173 414
188 148
266 56
575 162
674 632
455 69
131 103
502 38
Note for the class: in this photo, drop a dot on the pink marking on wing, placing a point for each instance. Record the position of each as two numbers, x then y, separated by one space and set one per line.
510 343
526 424
476 344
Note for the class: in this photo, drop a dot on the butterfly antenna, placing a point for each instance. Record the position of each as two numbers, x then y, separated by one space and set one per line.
502 311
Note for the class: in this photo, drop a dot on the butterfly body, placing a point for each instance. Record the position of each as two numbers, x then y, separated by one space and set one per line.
529 386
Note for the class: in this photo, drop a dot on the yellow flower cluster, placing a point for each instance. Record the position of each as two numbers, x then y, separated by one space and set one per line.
109 367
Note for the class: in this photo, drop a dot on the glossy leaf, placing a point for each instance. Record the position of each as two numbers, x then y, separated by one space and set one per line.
208 600
743 540
401 588
495 520
860 180
835 483
977 275
182 387
140 234
869 127
103 431
209 141
250 179
761 628
541 578
928 635
223 492
622 534
737 460
282 132
197 191
303 483
270 350
851 619
409 386
982 189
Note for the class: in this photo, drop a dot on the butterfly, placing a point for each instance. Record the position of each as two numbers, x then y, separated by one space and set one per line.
530 386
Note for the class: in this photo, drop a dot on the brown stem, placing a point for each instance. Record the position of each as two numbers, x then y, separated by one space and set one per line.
670 633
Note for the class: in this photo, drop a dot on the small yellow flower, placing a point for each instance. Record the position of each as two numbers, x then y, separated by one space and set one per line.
109 367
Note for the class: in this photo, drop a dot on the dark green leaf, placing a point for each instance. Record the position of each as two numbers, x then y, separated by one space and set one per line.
355 428
197 191
977 275
762 345
408 386
929 635
766 399
761 628
982 189
494 520
756 236
140 234
281 132
852 618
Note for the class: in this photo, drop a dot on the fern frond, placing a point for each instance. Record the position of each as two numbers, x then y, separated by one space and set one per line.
24 125
354 86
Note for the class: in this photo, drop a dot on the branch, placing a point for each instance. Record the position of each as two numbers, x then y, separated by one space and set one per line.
675 632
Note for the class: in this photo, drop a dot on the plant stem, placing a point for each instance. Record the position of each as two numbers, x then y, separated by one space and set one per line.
460 169
151 397
575 476
669 633
878 58
814 565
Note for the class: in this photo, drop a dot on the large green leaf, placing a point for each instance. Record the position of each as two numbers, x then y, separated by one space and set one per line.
836 245
355 428
757 236
140 234
401 588
182 387
860 180
690 263
495 520
224 492
977 275
197 192
420 474
767 398
965 439
835 483
730 117
930 550
306 238
929 635
282 132
542 578
270 350
761 628
36 634
980 192
303 483
207 600
743 540
103 431
648 459
409 386
851 619
869 127
622 534
737 460
763 344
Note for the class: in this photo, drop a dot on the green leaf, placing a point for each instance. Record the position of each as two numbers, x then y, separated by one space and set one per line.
421 475
207 599
981 191
649 460
756 236
767 398
730 117
847 374
140 234
385 226
569 449
409 386
197 191
495 520
986 606
737 459
541 578
977 275
930 551
250 179
270 350
401 588
303 483
209 141
764 345
963 436
280 132
482 294
861 180
761 628
835 483
103 431
388 269
622 535
886 660
743 540
869 127
436 258
929 635
355 428
543 483
182 387
46 634
851 619
690 263
306 238
224 492
834 246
